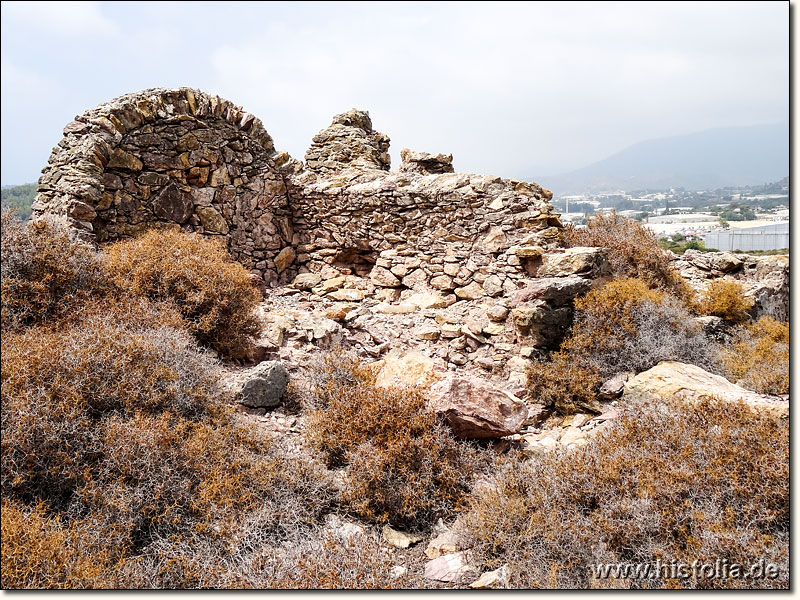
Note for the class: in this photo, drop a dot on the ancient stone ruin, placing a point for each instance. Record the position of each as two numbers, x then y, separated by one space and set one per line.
437 277
183 158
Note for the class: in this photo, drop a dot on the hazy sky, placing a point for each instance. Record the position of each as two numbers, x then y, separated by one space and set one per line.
510 89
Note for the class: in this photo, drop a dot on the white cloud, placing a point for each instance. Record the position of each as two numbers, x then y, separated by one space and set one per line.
62 18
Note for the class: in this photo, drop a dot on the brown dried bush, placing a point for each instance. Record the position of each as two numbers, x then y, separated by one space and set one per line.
44 272
112 424
563 383
39 551
213 293
625 326
725 299
402 465
113 357
758 357
665 481
633 251
622 326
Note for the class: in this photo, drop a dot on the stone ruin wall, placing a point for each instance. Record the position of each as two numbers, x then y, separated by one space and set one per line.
183 158
177 157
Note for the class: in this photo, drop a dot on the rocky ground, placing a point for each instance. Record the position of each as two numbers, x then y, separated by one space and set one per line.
473 350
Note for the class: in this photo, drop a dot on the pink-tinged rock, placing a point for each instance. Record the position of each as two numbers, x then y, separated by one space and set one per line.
474 408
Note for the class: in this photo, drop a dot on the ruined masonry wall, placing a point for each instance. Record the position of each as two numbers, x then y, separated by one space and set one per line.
183 158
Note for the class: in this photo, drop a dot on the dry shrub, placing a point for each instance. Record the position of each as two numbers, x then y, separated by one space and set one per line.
402 465
623 326
633 250
758 357
666 481
214 293
319 559
112 425
725 299
564 384
38 551
329 563
44 272
114 357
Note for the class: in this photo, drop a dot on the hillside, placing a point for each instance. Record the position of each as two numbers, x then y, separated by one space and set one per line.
19 199
716 158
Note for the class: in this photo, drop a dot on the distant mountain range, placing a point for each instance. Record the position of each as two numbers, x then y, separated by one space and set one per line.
716 158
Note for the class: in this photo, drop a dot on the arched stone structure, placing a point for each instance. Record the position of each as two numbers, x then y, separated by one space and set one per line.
185 158
175 156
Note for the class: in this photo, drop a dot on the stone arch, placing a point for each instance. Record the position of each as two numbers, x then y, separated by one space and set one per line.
180 157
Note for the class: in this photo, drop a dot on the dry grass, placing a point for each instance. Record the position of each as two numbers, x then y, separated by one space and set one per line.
213 293
402 465
725 299
633 251
758 357
666 481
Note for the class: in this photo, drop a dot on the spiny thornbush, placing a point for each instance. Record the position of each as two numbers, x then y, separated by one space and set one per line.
666 481
758 357
213 293
563 383
633 250
402 465
112 357
725 299
623 326
44 273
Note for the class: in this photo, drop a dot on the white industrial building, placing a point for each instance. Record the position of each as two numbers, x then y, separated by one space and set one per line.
764 237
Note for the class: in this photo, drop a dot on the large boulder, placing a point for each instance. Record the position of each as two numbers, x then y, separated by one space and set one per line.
474 408
261 386
691 383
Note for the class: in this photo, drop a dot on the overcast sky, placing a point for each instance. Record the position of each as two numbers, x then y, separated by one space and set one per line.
510 89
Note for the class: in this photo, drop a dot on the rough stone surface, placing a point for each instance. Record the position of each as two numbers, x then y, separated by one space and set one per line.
261 386
183 156
497 579
474 408
691 383
453 568
398 539
575 261
412 369
613 388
